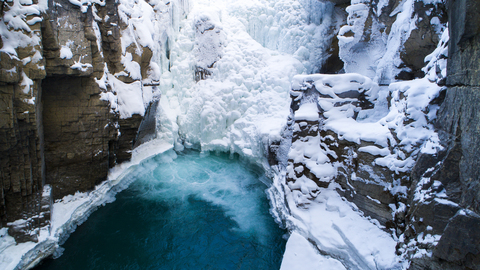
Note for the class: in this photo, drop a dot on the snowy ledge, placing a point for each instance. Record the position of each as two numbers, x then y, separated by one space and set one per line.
331 233
71 211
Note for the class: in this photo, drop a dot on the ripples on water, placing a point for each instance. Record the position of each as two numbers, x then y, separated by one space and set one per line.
190 213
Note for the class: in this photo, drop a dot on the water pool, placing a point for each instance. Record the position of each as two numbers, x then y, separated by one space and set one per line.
195 212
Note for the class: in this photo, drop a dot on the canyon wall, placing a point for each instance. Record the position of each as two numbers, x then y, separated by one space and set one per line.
454 170
75 82
415 168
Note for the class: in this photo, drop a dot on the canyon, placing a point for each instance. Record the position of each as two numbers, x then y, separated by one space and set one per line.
366 107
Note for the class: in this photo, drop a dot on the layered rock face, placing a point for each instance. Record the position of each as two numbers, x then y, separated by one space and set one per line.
74 86
21 133
455 170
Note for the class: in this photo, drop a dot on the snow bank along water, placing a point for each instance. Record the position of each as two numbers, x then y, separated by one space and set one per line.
214 214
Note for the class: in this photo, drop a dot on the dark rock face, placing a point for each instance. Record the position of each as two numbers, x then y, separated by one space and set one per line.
459 243
148 127
464 47
457 167
57 136
77 134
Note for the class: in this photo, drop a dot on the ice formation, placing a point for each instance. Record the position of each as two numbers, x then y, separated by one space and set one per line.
244 103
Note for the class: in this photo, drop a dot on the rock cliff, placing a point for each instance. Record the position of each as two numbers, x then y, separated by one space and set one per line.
75 82
455 169
415 170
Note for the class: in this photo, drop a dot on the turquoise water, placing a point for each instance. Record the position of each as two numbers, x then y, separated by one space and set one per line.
190 213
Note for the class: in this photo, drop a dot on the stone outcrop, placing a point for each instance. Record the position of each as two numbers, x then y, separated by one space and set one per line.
342 157
455 170
58 134
436 216
367 45
209 43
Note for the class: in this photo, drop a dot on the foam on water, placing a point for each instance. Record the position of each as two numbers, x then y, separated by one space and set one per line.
191 211
215 179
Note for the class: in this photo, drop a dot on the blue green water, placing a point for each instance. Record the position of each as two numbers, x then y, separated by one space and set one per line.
190 213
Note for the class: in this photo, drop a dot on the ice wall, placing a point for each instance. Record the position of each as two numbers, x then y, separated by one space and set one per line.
302 28
242 104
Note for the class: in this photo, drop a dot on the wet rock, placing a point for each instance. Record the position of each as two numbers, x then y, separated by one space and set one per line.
148 127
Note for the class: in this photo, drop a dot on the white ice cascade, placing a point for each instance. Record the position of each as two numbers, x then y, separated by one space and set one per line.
244 102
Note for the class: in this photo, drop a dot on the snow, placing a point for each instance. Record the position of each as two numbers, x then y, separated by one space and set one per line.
81 66
126 98
332 85
131 67
66 53
307 111
26 83
335 226
373 150
10 252
301 254
15 31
